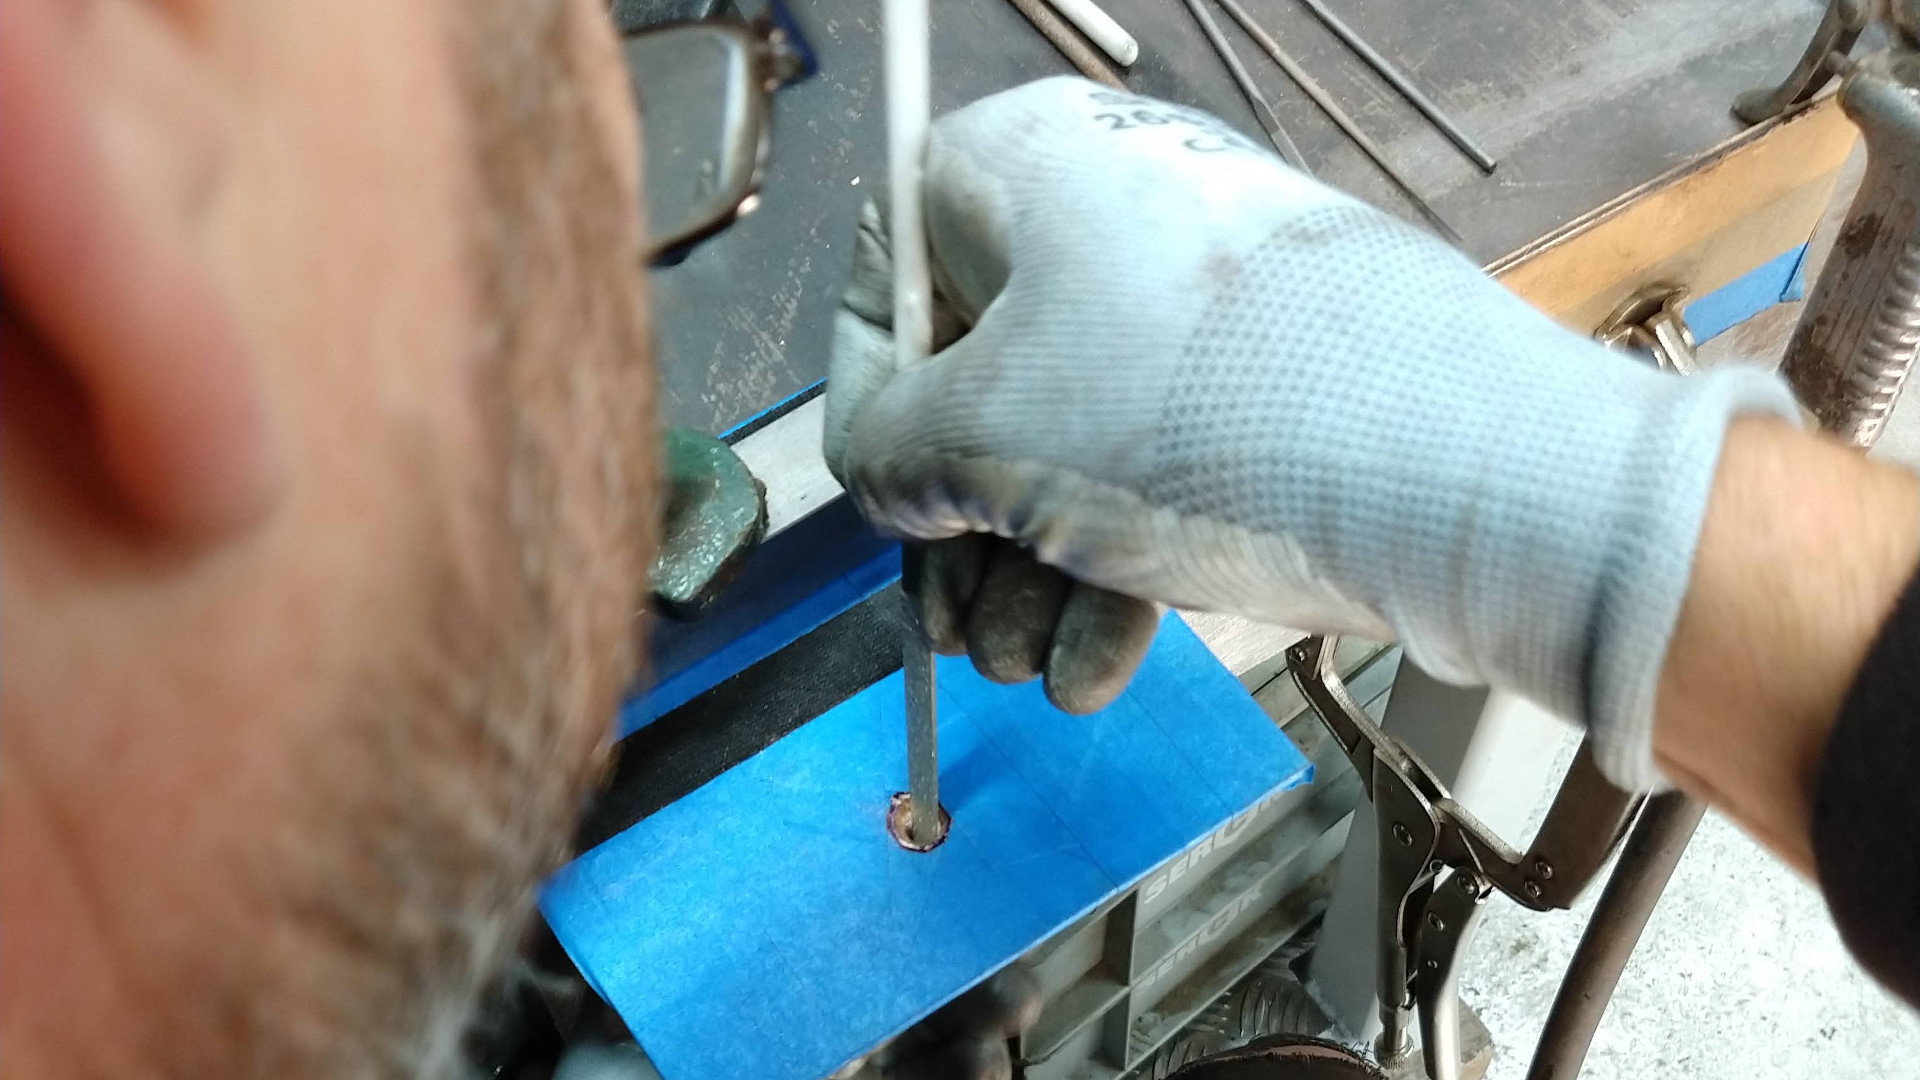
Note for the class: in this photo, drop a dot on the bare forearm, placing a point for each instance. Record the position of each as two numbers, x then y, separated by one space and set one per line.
1804 551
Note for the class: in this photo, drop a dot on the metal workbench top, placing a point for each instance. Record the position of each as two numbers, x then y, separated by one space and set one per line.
1580 100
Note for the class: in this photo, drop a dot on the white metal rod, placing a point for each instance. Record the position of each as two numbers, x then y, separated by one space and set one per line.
909 108
1100 29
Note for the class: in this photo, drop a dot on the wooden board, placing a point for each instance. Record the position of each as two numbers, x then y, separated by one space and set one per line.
1701 226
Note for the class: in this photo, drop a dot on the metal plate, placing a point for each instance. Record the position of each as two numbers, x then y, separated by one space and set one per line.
1581 100
766 926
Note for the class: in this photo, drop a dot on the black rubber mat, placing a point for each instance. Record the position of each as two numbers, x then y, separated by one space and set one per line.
748 713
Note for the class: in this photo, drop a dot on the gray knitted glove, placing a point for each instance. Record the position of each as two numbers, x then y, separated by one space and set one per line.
1176 369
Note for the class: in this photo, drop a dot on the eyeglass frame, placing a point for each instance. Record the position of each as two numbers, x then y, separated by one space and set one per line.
778 57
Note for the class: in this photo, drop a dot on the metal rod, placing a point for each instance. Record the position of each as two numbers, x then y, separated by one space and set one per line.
1646 863
924 825
1339 117
1100 29
909 114
1394 75
1069 44
1261 108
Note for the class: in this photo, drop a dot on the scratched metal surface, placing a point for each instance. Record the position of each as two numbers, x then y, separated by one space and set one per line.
1579 99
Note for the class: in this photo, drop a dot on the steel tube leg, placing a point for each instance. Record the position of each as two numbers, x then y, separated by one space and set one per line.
1646 863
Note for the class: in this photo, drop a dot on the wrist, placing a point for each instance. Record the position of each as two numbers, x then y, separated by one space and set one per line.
1584 546
1804 550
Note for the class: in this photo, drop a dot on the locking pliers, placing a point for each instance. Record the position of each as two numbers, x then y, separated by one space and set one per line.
1438 864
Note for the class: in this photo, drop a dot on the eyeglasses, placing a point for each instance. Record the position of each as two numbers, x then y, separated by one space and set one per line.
705 91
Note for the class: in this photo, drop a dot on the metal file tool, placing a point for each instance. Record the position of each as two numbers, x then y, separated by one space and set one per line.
1311 87
1269 120
1261 107
1398 79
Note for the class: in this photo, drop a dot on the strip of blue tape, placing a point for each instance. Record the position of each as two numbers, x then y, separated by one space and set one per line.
768 927
804 392
1774 282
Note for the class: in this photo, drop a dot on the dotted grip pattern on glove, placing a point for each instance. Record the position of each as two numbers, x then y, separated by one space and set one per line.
1200 378
1521 507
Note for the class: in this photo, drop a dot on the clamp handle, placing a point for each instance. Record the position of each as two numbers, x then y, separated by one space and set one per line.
1438 864
1840 26
1859 334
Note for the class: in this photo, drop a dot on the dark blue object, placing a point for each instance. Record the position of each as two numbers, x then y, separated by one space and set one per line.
783 20
768 927
811 572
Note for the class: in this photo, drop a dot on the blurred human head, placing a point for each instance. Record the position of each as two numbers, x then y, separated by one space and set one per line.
327 459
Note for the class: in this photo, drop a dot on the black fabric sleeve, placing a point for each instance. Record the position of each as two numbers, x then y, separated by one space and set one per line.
1866 813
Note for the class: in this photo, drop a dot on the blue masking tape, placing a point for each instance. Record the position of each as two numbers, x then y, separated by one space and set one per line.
1776 281
767 926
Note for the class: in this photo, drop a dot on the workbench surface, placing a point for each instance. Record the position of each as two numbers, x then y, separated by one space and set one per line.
1580 100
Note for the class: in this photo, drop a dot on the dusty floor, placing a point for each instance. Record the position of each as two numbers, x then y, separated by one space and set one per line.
1741 975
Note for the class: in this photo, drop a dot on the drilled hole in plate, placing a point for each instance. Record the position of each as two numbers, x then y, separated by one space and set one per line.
897 811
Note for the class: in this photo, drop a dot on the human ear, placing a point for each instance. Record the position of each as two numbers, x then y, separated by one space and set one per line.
113 151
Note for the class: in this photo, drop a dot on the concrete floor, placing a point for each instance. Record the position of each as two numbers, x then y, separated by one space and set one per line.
1740 975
